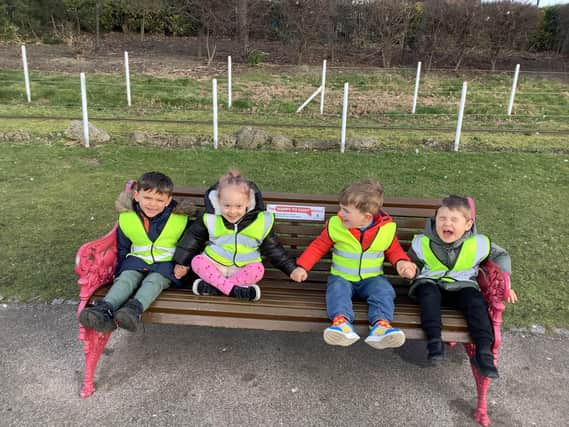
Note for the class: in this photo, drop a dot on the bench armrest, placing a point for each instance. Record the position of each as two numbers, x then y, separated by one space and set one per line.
495 287
95 264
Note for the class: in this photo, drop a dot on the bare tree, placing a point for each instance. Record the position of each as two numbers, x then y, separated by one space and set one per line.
242 14
305 22
506 26
463 25
387 24
214 18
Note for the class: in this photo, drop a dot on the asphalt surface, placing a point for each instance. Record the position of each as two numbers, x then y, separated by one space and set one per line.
196 376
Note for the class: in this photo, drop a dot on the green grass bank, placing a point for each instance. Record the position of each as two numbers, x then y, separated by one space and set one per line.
56 197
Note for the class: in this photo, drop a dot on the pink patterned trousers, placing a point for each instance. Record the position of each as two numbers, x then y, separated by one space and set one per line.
225 278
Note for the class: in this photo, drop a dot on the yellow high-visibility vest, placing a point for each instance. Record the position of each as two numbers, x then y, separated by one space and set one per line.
349 260
162 249
473 251
233 247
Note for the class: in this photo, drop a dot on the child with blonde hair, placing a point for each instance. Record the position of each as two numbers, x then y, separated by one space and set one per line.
361 236
236 231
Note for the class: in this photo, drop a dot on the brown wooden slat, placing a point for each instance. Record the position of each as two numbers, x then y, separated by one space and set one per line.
289 306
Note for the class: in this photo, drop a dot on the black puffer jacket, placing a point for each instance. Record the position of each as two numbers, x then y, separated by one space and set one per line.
195 238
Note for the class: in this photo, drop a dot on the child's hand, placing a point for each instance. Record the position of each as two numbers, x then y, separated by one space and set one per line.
513 297
406 269
299 274
180 271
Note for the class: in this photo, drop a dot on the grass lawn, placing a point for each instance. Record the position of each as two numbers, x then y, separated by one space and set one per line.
55 198
269 99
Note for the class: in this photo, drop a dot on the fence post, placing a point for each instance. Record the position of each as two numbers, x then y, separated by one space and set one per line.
127 74
229 101
26 74
416 93
513 94
344 118
460 115
214 96
310 98
323 86
84 109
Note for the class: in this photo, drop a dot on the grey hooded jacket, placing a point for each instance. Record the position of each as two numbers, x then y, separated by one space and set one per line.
447 253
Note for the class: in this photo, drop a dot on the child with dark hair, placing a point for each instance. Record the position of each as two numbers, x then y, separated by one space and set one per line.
150 225
448 255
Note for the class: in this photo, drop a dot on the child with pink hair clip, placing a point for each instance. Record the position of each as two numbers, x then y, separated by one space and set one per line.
236 231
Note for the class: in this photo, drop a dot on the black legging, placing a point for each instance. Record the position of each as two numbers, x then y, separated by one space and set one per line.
467 300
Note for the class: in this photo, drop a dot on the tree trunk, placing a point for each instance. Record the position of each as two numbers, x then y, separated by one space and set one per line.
242 7
97 24
210 50
200 43
142 28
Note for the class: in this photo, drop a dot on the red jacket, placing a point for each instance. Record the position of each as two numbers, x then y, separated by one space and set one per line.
322 244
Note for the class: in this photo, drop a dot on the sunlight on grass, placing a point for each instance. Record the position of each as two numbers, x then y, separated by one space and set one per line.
65 196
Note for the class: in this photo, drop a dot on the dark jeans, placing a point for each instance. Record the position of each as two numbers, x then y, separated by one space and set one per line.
467 300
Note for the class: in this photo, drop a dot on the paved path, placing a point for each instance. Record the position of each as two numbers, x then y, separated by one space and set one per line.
190 376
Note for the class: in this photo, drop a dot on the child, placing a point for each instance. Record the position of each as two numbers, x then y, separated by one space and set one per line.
361 235
448 255
236 230
148 230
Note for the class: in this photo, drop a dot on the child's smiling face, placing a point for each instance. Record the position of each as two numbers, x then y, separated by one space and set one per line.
233 203
152 202
451 224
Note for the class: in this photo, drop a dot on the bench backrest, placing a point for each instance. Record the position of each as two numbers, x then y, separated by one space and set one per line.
296 230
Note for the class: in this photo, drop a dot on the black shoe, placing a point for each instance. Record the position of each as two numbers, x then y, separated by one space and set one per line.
436 350
483 361
251 292
201 287
128 316
98 317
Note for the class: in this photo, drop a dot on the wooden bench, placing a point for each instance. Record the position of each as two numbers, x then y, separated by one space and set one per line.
285 305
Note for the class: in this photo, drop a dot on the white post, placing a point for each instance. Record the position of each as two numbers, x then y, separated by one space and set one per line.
214 95
229 82
323 86
127 74
310 98
460 115
84 108
514 85
26 74
344 119
416 93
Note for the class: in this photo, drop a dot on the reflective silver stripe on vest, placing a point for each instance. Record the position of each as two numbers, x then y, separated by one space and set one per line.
168 253
135 248
251 256
356 272
364 255
236 238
